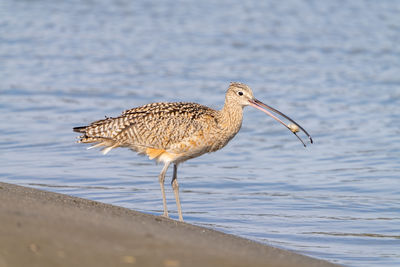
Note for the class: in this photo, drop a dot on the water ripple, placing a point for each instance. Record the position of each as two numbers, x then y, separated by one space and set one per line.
332 66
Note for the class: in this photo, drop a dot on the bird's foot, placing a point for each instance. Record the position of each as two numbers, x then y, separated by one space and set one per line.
165 215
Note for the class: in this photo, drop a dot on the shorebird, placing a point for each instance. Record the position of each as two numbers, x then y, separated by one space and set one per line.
172 133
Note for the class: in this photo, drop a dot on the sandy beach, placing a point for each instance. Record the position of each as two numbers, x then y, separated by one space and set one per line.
40 228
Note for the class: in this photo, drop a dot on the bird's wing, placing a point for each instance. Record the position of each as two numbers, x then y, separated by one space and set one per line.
156 125
163 125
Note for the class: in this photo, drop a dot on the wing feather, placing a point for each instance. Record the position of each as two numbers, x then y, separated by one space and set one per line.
156 125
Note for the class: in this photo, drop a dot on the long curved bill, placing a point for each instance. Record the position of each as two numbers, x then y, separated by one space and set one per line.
294 128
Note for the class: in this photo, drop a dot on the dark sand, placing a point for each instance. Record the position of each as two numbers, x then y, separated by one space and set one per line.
40 228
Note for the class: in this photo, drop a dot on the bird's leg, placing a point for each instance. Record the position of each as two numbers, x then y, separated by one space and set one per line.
175 186
161 179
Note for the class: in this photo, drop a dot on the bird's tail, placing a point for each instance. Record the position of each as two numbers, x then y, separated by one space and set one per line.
98 139
80 129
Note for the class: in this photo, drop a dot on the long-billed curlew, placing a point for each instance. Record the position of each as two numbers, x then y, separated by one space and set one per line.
176 132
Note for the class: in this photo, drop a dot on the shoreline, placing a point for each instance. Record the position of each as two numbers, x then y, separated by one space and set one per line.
41 228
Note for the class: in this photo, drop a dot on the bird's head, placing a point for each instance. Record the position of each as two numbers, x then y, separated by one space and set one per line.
241 94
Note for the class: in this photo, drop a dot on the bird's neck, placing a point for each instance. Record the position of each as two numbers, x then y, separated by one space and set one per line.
231 118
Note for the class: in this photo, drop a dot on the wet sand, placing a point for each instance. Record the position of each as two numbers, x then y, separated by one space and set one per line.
40 228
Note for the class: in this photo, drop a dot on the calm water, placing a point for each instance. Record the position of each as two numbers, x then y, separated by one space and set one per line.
332 66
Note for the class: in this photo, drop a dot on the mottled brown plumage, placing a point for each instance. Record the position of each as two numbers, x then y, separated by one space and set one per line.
174 127
172 132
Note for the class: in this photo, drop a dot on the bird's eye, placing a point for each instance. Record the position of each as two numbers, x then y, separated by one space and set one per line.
240 93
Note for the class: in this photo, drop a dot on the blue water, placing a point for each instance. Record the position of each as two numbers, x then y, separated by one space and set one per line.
333 66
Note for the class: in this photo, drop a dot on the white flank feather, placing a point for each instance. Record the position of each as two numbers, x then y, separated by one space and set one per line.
106 150
97 145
